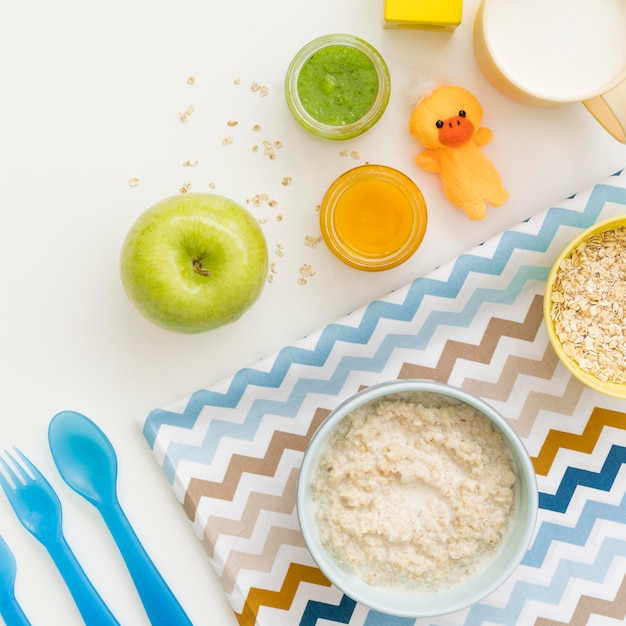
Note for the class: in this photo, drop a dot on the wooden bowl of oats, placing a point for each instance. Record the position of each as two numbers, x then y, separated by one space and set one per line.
584 307
416 498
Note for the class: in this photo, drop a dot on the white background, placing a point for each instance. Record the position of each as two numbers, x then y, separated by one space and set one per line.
90 97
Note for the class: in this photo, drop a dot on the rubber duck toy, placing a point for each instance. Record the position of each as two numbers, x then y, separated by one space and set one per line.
447 123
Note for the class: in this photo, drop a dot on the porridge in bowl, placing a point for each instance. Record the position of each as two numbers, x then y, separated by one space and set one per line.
414 495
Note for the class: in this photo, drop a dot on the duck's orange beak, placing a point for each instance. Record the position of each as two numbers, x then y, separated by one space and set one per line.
455 131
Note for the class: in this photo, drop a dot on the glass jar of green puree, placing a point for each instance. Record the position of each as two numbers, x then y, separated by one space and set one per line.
337 86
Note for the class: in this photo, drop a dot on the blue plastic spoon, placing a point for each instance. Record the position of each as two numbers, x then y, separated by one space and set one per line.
87 462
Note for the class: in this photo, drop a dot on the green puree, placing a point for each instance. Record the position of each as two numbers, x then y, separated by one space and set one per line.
337 85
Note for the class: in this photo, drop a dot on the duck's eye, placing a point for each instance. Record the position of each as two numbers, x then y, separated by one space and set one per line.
438 123
462 113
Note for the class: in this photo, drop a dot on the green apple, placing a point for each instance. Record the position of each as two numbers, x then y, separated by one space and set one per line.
194 261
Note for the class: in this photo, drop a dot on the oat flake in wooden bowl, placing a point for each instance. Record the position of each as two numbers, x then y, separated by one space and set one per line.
585 307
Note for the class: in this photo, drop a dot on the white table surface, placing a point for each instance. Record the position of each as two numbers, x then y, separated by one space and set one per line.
91 96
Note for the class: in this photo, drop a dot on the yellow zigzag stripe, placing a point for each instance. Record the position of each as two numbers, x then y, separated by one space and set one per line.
282 599
585 442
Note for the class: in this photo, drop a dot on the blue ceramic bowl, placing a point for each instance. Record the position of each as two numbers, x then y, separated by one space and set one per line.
422 604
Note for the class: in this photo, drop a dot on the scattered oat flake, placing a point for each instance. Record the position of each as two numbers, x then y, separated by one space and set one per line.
134 181
270 278
263 220
237 81
232 122
286 181
344 153
255 148
191 80
279 217
212 185
263 90
273 267
278 143
355 155
228 139
306 271
302 280
261 198
185 187
318 207
190 163
256 127
270 148
312 241
184 116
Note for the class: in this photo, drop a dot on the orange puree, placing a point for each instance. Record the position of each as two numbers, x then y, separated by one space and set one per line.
373 217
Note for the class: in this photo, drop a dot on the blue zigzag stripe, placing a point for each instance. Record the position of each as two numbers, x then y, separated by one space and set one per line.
341 613
421 287
591 511
380 619
552 593
574 477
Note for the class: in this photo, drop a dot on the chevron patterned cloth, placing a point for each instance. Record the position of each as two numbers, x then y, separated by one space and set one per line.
232 452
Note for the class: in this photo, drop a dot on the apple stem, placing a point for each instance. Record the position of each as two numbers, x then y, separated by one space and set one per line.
199 268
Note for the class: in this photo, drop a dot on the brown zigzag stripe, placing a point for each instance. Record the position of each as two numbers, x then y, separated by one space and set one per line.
514 366
587 606
585 442
257 502
482 352
263 562
280 599
266 466
537 401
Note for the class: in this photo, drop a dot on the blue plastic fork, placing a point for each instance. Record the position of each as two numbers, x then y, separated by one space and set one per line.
10 609
39 510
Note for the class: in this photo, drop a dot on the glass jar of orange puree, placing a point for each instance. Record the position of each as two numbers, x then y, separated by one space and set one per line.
373 217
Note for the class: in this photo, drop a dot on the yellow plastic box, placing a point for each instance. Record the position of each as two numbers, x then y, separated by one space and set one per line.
424 14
